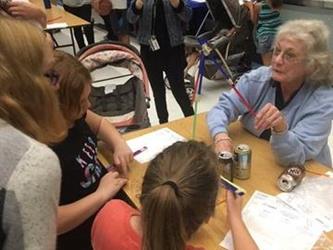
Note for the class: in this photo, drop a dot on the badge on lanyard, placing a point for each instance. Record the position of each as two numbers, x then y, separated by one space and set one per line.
153 43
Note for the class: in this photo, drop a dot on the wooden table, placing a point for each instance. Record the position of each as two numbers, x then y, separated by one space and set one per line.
264 173
59 15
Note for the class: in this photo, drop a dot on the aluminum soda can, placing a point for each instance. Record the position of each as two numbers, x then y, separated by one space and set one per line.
291 177
242 158
226 165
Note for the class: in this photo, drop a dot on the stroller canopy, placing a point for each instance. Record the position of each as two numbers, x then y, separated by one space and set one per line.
121 98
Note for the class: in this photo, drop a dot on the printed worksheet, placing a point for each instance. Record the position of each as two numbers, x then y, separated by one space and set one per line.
147 146
314 197
275 225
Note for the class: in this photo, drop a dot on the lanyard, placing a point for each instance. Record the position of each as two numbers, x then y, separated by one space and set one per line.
154 19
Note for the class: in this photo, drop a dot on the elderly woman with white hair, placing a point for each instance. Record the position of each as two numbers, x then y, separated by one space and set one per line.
292 100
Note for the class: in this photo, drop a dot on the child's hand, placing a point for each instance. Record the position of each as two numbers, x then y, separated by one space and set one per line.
109 185
241 237
122 156
234 206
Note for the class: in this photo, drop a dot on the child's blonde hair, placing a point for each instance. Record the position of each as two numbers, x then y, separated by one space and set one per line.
178 194
73 77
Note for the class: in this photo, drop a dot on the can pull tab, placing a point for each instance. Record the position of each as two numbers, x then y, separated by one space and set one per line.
295 171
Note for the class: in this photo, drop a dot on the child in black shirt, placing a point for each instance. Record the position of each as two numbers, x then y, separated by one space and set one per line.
86 186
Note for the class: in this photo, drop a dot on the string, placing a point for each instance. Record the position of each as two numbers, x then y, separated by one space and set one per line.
229 80
233 86
197 92
314 172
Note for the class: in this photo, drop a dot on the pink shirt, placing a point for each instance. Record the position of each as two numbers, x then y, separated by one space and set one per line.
112 229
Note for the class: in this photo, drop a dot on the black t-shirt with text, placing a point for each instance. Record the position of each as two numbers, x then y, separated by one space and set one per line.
81 174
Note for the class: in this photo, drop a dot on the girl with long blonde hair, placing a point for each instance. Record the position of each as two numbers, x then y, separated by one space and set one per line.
29 116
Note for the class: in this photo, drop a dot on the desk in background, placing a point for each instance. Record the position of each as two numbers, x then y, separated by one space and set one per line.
58 15
264 173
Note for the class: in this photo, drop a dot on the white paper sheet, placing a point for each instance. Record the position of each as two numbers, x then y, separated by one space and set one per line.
275 225
155 142
329 173
314 197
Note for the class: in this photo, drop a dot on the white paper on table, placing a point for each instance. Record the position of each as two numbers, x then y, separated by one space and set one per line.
56 26
155 142
314 197
274 225
329 173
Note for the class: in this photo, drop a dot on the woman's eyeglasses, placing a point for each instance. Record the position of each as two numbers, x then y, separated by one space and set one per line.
288 56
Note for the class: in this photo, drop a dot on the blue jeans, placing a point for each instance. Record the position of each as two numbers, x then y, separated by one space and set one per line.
265 44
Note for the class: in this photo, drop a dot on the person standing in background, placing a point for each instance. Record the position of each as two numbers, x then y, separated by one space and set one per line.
116 22
107 22
162 49
82 9
104 8
266 16
119 21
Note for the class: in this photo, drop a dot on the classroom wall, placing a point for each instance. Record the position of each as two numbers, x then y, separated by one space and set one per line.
296 12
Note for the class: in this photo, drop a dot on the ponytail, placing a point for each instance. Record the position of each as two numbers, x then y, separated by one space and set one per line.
178 194
163 226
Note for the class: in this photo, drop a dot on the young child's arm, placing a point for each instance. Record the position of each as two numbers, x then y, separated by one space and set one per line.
241 237
122 154
72 215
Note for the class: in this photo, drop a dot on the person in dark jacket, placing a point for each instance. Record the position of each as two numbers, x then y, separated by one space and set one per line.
161 38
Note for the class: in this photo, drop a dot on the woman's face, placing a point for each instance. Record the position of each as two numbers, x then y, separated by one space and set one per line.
288 61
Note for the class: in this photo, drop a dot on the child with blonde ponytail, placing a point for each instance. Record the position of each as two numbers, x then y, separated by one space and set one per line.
178 195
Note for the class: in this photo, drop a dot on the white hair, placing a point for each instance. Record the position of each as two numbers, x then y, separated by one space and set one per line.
314 34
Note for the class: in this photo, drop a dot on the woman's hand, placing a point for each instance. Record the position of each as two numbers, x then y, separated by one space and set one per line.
270 117
109 185
222 142
122 156
139 4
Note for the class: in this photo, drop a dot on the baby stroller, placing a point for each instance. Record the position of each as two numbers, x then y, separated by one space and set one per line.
122 93
229 41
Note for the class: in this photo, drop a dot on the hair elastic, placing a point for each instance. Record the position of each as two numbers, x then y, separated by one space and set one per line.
173 185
